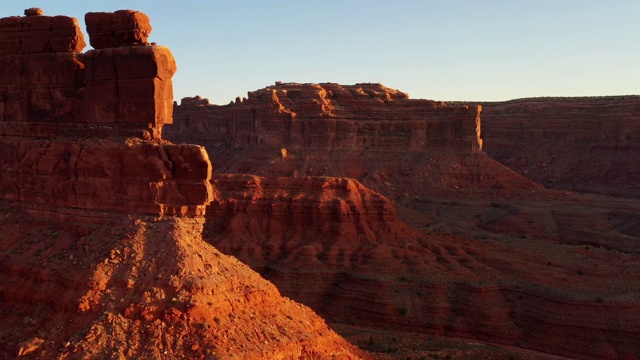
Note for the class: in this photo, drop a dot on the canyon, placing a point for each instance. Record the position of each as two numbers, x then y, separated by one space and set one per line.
462 246
416 228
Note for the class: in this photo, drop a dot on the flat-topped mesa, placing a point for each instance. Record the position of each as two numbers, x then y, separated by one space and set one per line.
329 116
82 131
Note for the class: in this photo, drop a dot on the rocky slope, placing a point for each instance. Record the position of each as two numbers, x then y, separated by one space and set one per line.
101 254
143 288
585 143
517 272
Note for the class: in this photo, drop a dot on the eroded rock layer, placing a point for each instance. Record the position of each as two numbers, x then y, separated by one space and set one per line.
82 130
523 280
329 116
301 218
101 254
499 258
582 143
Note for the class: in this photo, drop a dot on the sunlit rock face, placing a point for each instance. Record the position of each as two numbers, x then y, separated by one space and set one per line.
101 254
330 117
80 132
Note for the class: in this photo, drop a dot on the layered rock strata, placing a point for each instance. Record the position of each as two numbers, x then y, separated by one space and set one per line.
101 254
339 248
582 143
82 130
117 29
329 116
300 217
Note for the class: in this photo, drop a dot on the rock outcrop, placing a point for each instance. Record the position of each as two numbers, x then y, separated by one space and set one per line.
101 254
301 218
80 132
405 149
117 29
329 116
584 143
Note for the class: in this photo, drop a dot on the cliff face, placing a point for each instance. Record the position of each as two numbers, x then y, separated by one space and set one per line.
405 149
587 144
329 116
101 254
497 257
82 130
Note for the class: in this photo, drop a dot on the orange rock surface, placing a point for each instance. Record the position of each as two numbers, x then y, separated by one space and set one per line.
475 249
144 287
117 29
518 269
329 116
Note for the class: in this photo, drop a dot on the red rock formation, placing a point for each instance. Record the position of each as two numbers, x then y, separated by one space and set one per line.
515 271
509 289
301 217
405 149
36 34
101 254
329 116
117 29
586 144
54 96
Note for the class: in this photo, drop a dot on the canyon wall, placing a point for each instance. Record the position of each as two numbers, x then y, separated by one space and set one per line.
328 116
80 132
583 143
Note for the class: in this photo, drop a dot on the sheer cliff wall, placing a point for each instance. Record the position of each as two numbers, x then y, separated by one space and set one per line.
577 143
80 132
328 116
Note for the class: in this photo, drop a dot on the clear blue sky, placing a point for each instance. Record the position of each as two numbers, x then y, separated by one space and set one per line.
442 50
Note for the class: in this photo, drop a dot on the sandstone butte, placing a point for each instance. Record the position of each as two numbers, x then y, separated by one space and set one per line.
101 254
384 212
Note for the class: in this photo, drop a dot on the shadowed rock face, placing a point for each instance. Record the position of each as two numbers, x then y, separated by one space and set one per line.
329 116
101 254
584 143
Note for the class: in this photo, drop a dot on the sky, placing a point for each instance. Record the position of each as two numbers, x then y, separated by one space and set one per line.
480 50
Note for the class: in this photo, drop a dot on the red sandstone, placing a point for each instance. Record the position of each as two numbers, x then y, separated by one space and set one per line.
585 143
500 258
101 253
368 117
